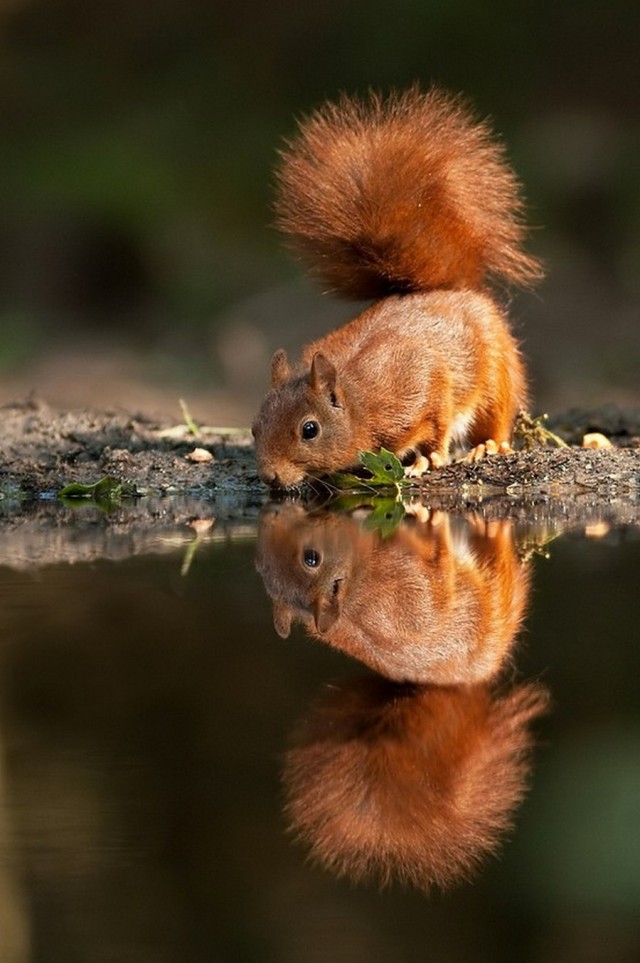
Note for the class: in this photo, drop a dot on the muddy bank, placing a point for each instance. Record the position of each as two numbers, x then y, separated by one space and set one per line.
43 449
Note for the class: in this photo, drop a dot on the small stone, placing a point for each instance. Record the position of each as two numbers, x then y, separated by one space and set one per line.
594 439
199 455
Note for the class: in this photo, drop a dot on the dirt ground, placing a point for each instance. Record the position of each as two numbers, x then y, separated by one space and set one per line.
43 449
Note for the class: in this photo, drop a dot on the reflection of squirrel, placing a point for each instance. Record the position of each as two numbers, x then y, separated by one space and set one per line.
416 783
409 201
438 601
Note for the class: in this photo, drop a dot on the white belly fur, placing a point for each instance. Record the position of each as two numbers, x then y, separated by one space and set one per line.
460 427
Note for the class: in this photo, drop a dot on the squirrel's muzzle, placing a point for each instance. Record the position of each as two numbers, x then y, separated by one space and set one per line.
280 477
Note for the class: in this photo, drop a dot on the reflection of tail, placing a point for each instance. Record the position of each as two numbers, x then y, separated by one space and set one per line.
389 781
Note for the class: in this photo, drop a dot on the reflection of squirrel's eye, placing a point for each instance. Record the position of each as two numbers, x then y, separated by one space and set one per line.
310 430
311 557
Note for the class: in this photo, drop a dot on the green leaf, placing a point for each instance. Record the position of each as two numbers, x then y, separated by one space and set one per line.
106 491
384 468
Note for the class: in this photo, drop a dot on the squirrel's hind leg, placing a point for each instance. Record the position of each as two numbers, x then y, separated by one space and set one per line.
488 447
431 442
491 435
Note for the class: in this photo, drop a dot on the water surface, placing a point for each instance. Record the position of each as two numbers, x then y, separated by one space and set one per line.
169 760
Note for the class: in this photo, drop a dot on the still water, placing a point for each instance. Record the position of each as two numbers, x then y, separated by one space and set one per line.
299 736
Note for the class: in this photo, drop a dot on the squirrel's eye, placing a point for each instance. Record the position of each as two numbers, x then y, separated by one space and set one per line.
312 558
310 429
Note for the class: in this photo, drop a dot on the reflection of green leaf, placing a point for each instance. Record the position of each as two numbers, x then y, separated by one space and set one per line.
350 501
107 491
386 516
384 471
386 511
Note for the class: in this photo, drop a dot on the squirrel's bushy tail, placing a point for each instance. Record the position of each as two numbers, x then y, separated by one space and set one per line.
405 194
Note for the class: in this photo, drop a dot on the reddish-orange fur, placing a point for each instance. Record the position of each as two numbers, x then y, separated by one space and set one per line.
405 194
415 783
436 602
410 201
414 777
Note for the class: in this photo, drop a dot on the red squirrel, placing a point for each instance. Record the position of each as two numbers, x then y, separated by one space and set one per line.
438 601
409 201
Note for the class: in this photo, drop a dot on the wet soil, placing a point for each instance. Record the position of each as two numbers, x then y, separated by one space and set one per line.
44 449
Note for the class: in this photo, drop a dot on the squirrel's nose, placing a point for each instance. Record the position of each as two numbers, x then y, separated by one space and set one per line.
278 476
273 479
268 475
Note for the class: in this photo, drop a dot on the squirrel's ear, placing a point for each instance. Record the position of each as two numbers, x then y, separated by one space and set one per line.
280 369
324 378
282 618
326 612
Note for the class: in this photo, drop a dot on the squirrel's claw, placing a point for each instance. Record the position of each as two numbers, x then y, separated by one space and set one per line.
423 464
418 468
489 447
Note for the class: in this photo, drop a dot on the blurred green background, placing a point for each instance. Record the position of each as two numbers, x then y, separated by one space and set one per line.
138 263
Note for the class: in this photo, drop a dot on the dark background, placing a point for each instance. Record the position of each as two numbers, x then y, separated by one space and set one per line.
138 264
